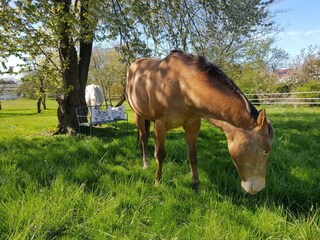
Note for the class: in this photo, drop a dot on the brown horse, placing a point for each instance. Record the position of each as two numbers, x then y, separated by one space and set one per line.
181 89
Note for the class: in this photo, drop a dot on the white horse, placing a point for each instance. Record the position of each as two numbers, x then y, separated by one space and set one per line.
94 97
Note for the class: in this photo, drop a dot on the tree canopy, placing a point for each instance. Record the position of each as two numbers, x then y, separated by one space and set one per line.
223 30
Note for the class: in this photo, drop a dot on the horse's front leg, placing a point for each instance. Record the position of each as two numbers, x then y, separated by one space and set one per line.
160 152
192 131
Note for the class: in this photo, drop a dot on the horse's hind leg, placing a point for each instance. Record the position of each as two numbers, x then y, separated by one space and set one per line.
192 131
143 136
160 153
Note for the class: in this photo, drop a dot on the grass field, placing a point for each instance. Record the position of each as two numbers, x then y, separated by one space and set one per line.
81 187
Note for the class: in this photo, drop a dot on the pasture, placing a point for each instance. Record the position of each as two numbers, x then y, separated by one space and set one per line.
81 187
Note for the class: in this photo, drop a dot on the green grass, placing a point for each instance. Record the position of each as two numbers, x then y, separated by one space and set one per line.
81 187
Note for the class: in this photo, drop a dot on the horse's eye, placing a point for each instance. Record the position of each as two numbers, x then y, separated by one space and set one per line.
266 152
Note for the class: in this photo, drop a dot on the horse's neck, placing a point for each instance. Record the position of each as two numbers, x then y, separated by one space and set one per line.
231 123
223 107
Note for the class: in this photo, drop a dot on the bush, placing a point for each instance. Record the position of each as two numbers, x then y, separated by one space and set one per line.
280 88
311 86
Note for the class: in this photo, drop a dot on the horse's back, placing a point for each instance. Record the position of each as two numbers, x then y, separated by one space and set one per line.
155 89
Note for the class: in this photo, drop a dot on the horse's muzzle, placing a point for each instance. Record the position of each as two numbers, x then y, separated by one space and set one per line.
253 185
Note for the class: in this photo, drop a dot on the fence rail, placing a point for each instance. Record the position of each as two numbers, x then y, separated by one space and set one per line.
293 98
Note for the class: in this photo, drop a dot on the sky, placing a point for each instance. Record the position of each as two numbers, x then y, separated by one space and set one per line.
301 22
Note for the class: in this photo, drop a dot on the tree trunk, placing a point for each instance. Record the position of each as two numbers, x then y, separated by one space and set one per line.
84 63
109 93
68 121
44 97
123 94
39 104
121 101
74 75
70 73
103 86
86 41
61 113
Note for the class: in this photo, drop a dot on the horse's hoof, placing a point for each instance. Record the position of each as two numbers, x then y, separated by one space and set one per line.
156 183
195 187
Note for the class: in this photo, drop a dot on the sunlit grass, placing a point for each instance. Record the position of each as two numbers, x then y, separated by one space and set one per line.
83 187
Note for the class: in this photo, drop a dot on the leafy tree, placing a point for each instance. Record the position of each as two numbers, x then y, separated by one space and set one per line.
261 53
306 66
43 80
220 30
33 85
311 69
251 78
228 27
260 61
231 33
33 28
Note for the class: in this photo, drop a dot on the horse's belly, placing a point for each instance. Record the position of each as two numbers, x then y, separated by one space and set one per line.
153 105
172 118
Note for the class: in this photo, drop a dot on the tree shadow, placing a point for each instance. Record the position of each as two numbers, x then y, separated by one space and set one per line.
12 114
113 129
113 154
77 158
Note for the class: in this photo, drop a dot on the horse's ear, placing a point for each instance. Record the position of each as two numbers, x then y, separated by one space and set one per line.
262 119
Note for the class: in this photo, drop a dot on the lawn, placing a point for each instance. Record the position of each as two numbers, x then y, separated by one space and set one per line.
82 187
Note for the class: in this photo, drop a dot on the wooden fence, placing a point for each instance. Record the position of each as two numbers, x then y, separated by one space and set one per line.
293 98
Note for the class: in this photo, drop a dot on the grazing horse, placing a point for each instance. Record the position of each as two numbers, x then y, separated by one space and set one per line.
181 89
94 97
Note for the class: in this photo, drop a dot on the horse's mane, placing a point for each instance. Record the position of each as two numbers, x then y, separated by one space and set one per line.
209 68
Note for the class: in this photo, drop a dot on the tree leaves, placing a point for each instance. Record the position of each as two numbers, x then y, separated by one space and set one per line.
217 29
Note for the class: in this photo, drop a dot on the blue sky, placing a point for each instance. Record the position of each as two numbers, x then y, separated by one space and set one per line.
301 22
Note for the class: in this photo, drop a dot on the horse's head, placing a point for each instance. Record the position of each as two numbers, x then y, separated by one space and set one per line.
249 150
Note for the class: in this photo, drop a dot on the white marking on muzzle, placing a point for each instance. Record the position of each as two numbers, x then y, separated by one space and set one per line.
253 185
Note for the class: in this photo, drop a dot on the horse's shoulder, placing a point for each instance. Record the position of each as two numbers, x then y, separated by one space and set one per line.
144 64
145 60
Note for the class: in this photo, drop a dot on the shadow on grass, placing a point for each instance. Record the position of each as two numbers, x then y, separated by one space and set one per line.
292 175
284 188
113 129
296 148
18 113
77 159
113 154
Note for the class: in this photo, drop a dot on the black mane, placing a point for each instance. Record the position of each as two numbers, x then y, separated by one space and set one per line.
212 70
